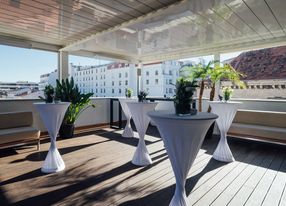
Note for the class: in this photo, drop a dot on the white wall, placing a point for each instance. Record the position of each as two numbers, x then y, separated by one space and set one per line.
89 117
101 113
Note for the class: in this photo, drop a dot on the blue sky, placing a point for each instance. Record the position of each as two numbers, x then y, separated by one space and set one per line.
18 64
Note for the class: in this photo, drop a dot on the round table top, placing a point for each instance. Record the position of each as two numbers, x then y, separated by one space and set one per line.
131 102
166 114
58 103
224 102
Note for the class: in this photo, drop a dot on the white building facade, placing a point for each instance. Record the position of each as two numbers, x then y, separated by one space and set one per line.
159 79
109 80
49 78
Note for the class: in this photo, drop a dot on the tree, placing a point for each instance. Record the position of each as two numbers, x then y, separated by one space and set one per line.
199 72
223 72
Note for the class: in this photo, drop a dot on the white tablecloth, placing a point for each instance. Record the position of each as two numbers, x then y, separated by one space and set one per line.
183 137
128 132
226 112
141 120
52 115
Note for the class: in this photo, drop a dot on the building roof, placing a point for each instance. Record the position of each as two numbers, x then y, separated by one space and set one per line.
262 64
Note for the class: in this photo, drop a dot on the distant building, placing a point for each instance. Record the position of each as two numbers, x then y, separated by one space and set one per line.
12 89
105 80
111 80
49 78
159 79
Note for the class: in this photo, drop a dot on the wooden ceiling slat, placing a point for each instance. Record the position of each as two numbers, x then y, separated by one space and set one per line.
259 13
153 4
40 26
68 10
278 8
135 5
39 9
118 7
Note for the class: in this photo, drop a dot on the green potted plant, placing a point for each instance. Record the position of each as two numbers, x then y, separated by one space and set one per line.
184 96
67 91
142 96
227 93
49 93
128 93
200 73
223 72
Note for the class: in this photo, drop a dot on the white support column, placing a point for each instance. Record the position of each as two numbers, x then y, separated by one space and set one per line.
218 84
63 65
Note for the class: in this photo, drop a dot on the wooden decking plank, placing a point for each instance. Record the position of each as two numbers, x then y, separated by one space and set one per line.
157 180
199 192
98 172
193 177
233 176
276 190
258 194
246 190
225 197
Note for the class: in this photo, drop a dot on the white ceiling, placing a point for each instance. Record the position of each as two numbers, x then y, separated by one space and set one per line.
144 31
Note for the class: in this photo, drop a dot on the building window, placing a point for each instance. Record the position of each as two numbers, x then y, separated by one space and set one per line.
112 83
119 75
283 86
126 74
147 73
103 83
156 81
166 90
119 91
112 91
156 72
96 90
126 82
170 81
119 83
170 90
170 72
104 90
147 81
100 90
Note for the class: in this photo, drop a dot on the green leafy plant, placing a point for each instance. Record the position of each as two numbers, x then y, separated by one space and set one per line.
183 98
223 72
227 93
128 92
67 91
142 95
49 93
199 72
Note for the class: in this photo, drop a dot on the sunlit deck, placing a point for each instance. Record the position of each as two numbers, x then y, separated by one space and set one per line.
99 172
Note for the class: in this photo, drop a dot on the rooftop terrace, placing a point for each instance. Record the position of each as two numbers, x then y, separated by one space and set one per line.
99 172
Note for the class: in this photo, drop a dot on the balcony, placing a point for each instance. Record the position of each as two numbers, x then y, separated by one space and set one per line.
98 169
99 172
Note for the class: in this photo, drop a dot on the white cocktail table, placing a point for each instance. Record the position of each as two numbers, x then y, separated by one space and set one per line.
183 137
52 115
128 132
138 112
226 112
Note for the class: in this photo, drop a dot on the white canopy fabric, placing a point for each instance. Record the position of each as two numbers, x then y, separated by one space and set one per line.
144 31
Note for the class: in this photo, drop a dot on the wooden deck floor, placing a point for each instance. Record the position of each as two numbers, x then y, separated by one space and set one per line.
98 172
